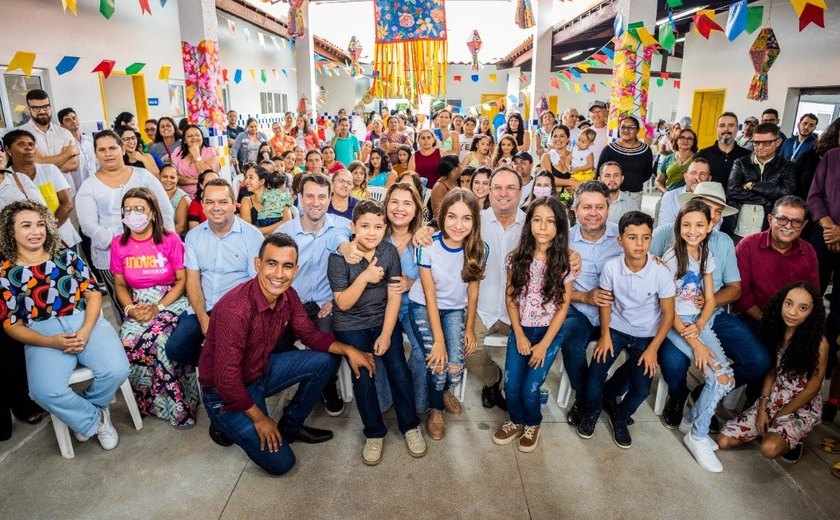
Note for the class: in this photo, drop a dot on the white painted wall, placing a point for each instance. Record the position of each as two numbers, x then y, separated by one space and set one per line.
807 59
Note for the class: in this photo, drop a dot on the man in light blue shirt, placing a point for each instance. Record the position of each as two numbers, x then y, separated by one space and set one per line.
219 256
595 239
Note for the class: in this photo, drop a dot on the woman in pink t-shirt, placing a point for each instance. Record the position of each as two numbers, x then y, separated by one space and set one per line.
147 262
192 158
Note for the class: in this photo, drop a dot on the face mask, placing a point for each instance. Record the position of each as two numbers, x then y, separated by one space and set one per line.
136 222
542 191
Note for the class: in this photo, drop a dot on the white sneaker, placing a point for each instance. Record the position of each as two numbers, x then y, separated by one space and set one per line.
415 442
80 437
372 452
703 453
685 428
106 433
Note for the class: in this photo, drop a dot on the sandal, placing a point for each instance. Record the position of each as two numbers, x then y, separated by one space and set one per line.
829 445
835 470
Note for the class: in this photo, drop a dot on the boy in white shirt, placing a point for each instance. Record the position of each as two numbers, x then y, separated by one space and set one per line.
638 321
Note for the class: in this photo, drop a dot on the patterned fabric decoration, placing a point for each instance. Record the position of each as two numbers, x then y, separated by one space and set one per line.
524 14
631 81
475 45
763 54
202 77
354 49
296 26
411 51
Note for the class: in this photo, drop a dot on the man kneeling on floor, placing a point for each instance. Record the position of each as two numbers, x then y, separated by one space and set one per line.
238 370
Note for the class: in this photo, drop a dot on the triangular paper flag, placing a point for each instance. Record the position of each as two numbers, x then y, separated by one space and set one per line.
737 21
275 73
491 78
247 33
22 61
163 3
567 73
224 75
583 66
66 64
575 73
601 58
665 75
811 15
275 42
646 38
673 4
232 27
523 78
633 28
553 80
105 67
474 78
253 74
586 87
660 82
676 83
577 88
237 76
618 26
134 68
69 4
106 8
799 6
163 75
261 38
755 15
456 79
592 88
284 70
609 52
704 23
263 76
567 84
666 37
144 7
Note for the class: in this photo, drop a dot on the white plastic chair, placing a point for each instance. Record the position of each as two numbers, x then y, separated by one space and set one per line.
345 381
377 193
62 432
492 340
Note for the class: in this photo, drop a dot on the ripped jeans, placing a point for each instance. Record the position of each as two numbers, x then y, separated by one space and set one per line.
720 379
522 382
452 321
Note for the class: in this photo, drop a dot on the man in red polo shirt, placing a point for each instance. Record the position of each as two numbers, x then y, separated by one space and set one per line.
238 369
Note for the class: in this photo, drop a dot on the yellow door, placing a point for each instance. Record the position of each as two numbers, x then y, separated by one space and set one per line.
705 110
490 111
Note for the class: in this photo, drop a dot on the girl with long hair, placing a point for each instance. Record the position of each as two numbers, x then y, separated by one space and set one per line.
480 186
404 153
790 404
538 292
304 135
360 174
691 264
443 303
485 127
516 127
379 169
449 139
479 154
505 151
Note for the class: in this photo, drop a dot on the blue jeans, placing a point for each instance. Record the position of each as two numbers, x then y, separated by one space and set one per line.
184 345
309 368
575 334
714 390
416 365
522 383
639 383
452 322
49 369
399 379
750 360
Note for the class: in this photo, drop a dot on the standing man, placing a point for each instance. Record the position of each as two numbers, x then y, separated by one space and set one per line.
620 201
571 120
87 159
232 129
744 139
55 145
795 147
598 116
524 164
771 116
238 369
723 154
758 181
345 144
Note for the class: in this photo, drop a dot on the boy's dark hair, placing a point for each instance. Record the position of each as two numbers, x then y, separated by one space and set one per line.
279 240
363 207
634 218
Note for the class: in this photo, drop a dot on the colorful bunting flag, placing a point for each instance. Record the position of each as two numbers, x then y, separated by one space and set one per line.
66 64
456 79
261 38
105 67
666 37
263 76
704 23
609 52
225 76
567 85
144 7
577 88
106 8
237 76
676 83
22 61
253 74
810 11
553 80
231 27
575 73
673 4
474 78
618 26
491 78
737 21
275 42
284 70
69 4
583 66
247 33
633 28
755 15
586 88
665 75
134 68
645 37
660 82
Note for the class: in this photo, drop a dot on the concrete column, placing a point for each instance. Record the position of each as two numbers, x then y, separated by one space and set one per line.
540 56
305 65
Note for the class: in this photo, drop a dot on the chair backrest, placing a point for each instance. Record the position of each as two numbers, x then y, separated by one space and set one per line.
377 193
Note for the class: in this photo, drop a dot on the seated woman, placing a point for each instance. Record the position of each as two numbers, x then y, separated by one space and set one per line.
134 154
195 213
257 180
52 305
790 404
379 169
330 164
147 262
193 157
341 202
178 198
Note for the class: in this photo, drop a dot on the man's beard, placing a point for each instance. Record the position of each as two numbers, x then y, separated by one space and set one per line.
727 139
42 119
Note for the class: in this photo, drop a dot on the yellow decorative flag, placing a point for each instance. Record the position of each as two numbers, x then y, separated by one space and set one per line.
23 61
253 74
69 4
492 78
645 37
583 66
577 88
163 75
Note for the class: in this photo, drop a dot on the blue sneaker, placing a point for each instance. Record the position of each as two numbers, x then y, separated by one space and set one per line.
621 434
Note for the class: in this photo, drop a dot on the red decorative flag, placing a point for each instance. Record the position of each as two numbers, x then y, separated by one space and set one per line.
456 79
144 7
105 67
811 14
601 58
225 75
676 83
553 80
567 73
704 23
665 75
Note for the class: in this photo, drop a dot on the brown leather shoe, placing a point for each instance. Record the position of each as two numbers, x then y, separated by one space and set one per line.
451 404
436 424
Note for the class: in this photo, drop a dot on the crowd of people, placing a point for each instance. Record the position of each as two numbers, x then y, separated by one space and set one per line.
228 293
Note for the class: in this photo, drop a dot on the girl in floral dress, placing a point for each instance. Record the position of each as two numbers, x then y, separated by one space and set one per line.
790 404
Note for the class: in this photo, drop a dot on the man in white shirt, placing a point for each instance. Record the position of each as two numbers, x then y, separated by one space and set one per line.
55 145
698 171
620 201
598 116
87 158
570 119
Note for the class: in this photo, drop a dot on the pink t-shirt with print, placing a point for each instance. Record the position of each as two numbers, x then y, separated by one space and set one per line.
532 311
145 264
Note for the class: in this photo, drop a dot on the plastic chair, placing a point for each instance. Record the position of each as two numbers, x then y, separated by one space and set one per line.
377 193
492 340
62 432
345 381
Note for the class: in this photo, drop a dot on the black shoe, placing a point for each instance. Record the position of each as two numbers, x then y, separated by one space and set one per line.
492 395
219 437
673 414
333 403
586 428
609 407
575 414
621 434
793 456
307 435
829 413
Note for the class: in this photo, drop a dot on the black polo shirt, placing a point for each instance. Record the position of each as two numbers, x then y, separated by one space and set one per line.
720 162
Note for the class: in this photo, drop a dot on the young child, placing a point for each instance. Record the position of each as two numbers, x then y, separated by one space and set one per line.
360 175
641 314
404 154
583 160
543 187
444 300
790 403
691 266
365 315
539 289
274 199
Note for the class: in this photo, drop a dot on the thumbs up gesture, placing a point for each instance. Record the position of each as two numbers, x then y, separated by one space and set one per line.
373 273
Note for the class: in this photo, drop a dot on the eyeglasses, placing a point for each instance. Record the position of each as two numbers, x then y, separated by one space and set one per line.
763 143
628 128
796 223
140 210
129 138
41 108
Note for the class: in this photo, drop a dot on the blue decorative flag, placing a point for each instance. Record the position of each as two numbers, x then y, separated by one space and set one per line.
474 78
737 21
618 26
609 52
66 64
574 72
237 76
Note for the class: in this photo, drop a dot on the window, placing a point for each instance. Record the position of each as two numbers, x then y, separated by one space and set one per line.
13 97
274 102
177 101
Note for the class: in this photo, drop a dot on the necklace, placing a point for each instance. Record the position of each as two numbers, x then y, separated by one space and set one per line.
40 258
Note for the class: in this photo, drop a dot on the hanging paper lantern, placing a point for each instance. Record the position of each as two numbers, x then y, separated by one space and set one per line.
524 14
354 49
474 44
296 23
763 54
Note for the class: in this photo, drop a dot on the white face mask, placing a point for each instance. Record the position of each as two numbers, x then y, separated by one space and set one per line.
542 191
136 222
